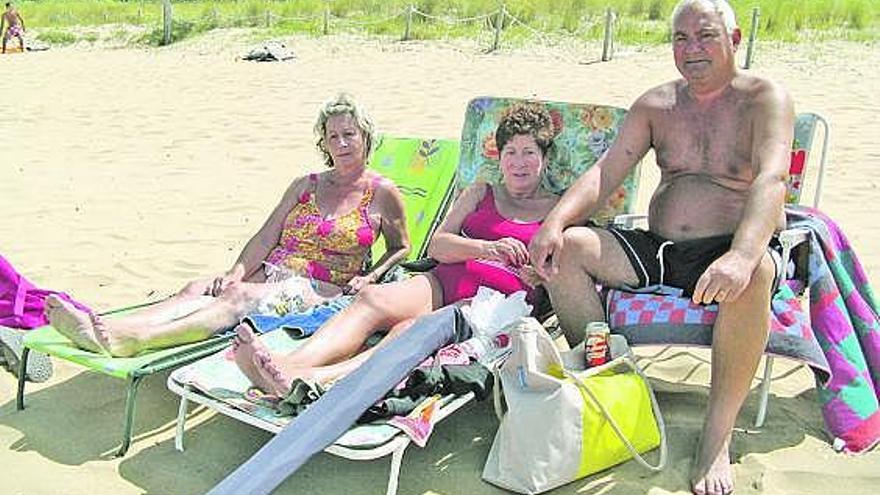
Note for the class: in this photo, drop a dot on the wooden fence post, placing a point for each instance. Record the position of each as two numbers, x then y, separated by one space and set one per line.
753 33
499 22
268 19
326 20
408 27
609 35
166 26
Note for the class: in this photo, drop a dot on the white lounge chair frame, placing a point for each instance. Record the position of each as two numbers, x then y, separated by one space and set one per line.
396 446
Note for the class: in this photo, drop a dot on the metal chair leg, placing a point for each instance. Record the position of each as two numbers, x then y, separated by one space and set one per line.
129 415
181 419
765 392
22 376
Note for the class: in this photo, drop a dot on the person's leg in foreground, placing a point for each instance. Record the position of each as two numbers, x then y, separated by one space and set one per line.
337 347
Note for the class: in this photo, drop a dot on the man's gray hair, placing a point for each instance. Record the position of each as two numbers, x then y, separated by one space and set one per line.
344 104
721 7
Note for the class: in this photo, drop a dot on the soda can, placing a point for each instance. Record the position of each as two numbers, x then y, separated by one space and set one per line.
597 337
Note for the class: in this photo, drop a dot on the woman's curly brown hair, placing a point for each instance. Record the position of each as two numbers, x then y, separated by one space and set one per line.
528 118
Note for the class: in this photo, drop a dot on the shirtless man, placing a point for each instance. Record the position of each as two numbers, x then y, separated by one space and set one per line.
722 141
14 26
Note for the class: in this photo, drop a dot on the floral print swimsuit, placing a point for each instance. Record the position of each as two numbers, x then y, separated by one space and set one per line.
328 249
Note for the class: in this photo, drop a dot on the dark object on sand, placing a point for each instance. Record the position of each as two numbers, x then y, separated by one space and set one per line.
270 51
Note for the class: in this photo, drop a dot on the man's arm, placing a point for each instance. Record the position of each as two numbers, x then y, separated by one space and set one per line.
21 21
773 127
591 189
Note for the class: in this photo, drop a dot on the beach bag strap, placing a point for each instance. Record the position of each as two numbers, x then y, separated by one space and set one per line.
497 399
661 425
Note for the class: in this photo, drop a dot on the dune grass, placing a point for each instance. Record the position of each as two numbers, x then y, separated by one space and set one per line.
638 21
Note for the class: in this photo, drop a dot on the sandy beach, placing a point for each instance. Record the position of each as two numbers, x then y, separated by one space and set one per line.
125 173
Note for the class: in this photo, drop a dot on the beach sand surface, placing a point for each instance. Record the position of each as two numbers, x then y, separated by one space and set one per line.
124 173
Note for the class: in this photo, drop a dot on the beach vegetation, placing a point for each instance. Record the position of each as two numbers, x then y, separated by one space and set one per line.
636 21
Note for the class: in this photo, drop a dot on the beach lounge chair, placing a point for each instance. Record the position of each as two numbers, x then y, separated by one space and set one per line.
647 319
584 133
422 168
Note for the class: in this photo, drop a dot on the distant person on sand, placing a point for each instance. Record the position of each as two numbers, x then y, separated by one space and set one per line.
14 25
311 248
721 139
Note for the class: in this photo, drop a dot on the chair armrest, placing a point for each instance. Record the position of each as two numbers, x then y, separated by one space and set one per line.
629 220
420 265
789 238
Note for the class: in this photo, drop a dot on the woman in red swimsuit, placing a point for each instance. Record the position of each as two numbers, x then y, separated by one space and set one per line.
481 242
311 248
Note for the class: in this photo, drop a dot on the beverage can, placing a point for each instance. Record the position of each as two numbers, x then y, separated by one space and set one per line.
596 343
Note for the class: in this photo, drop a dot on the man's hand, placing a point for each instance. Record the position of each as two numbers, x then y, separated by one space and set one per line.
529 276
220 283
544 250
509 251
725 279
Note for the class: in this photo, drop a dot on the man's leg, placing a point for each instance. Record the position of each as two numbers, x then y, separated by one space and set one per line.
738 341
588 255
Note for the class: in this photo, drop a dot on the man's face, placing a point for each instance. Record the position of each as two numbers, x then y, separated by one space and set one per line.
702 47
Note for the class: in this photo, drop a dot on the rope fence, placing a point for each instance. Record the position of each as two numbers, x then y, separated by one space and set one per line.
496 21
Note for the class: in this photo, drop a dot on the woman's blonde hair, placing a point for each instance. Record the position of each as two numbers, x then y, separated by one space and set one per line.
344 104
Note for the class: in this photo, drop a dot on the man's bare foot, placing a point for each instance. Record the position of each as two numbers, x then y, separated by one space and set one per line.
244 346
76 325
712 476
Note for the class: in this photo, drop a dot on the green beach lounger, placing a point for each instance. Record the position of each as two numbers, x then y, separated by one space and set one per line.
423 169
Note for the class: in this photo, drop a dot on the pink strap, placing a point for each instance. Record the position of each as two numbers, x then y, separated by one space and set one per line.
20 295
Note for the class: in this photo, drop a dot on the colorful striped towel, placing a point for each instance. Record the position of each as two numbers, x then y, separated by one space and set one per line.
844 316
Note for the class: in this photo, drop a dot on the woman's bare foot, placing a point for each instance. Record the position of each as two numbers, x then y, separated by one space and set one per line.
244 346
76 325
278 374
712 476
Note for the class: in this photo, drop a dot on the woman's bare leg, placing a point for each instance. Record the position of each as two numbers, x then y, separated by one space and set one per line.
127 337
329 353
279 381
180 320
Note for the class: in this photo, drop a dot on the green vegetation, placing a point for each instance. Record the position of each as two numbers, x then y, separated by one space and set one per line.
639 21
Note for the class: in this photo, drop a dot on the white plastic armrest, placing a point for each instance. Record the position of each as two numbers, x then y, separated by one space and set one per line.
788 239
629 220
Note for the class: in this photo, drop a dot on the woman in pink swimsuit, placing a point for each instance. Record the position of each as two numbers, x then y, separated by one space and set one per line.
481 242
311 248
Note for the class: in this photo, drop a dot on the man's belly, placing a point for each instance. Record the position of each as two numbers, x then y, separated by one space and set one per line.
691 207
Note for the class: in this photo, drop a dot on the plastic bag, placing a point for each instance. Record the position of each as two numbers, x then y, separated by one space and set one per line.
488 314
490 311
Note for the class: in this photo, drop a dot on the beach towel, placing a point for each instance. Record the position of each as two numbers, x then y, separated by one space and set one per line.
21 308
844 316
21 302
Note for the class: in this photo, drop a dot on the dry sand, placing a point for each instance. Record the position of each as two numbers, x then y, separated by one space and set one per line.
125 173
